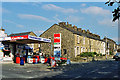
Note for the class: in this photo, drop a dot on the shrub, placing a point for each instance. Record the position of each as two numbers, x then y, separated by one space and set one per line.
94 53
100 54
111 53
87 54
97 54
103 54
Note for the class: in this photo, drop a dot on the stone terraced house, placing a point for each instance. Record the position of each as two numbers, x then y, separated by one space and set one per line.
73 40
111 46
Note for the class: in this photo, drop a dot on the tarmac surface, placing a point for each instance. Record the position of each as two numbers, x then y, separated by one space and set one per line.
106 69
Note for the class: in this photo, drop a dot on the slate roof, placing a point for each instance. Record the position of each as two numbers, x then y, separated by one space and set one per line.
80 33
20 34
109 40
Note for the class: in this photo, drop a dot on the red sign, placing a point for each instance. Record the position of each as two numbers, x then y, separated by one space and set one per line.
56 38
19 37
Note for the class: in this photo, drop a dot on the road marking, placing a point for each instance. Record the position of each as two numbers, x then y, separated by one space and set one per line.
29 71
92 71
104 72
76 77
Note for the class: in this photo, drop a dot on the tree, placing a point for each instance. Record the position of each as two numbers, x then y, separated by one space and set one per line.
116 11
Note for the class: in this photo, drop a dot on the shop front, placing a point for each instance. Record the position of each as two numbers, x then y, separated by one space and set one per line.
16 48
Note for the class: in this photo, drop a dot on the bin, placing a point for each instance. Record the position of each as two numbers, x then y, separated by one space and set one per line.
22 61
17 60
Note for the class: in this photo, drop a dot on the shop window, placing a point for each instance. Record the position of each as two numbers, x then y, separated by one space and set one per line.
6 51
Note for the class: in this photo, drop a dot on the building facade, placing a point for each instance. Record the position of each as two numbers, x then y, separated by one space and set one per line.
73 40
111 46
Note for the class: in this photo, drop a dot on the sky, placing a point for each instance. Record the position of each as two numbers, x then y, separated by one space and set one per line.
39 16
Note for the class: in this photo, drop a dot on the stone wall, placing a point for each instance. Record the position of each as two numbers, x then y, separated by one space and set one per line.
67 40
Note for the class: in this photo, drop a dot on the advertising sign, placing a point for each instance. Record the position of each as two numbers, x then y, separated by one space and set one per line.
19 37
57 45
38 38
57 52
1 53
57 38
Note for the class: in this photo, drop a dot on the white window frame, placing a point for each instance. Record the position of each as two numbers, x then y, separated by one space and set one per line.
82 49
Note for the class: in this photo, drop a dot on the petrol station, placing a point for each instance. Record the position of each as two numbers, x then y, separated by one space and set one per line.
15 47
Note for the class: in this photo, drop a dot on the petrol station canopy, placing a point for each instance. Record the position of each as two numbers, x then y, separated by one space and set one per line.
25 39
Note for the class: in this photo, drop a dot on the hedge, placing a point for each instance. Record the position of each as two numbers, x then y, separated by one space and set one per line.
88 54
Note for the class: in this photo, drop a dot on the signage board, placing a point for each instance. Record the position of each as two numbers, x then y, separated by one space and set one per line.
1 46
38 38
57 45
19 37
7 38
1 52
57 38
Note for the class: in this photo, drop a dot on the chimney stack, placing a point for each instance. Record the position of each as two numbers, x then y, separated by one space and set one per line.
75 28
62 24
83 31
79 29
88 32
67 23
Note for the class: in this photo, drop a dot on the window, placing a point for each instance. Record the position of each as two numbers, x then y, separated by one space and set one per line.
88 41
78 50
114 46
82 49
65 51
78 41
83 40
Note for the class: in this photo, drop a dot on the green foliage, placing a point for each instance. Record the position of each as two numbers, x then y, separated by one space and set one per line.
103 54
88 54
100 54
111 53
97 54
94 53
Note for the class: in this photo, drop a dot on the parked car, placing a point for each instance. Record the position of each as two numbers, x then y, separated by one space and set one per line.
117 56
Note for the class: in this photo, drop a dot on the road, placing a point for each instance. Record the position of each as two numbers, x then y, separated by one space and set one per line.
92 70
